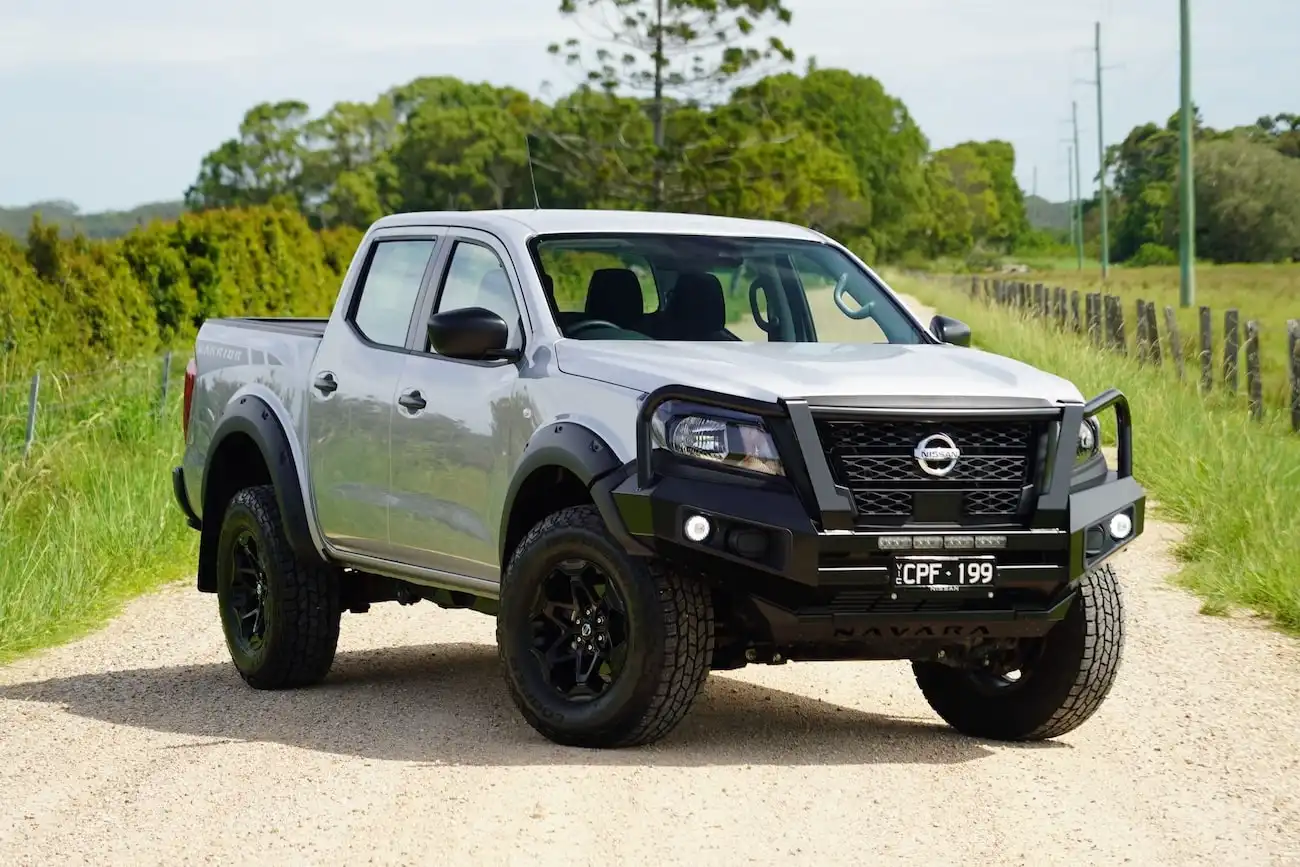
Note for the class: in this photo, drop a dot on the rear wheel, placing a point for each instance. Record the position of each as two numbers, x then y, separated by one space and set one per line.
280 616
1051 686
599 649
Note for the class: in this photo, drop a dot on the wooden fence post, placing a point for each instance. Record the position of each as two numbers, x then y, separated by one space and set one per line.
974 287
1231 340
1075 320
1142 340
1040 300
1059 297
1153 336
1108 321
1207 349
1121 340
166 381
1254 388
32 398
1293 344
1175 342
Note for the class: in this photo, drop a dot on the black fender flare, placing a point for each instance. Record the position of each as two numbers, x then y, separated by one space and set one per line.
254 418
583 452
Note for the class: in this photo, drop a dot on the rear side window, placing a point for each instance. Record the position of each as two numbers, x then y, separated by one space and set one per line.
389 289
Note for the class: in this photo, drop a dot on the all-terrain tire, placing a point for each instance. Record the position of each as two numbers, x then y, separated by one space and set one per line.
301 608
1066 686
670 638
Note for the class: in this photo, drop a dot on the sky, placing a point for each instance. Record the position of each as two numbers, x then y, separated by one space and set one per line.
113 104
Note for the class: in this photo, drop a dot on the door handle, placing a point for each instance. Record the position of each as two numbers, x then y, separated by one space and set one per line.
413 401
326 383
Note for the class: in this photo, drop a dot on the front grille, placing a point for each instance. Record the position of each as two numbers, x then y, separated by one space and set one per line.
874 459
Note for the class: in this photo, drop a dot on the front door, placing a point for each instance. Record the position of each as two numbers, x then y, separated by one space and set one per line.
453 425
353 386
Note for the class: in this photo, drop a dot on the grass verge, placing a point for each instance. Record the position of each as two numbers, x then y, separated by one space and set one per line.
1232 481
87 519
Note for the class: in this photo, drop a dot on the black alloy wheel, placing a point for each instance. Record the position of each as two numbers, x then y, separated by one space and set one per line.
580 634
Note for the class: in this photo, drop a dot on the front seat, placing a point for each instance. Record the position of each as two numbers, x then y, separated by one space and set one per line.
614 294
697 309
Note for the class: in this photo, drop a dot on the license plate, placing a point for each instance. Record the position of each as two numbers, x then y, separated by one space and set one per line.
945 573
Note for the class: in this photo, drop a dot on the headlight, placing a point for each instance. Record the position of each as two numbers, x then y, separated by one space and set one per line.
1089 440
732 440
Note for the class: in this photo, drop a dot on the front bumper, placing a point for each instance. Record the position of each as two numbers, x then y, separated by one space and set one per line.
808 571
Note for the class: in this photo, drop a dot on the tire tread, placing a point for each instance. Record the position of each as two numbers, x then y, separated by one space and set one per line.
309 601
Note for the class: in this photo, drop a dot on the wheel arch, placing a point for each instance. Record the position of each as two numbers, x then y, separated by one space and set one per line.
560 466
250 447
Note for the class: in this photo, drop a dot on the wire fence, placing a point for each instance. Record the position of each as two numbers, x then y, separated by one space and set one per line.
1101 317
52 405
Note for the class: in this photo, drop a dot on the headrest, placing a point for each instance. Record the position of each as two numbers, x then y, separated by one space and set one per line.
697 305
614 294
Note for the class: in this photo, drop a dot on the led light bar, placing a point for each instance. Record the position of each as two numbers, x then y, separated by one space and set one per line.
936 542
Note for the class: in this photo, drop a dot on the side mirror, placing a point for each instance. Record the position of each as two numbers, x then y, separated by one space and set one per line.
950 330
471 332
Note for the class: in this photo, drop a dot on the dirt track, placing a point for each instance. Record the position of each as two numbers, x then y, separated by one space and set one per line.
140 744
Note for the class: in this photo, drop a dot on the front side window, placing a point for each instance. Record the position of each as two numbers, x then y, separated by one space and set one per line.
388 290
706 288
477 278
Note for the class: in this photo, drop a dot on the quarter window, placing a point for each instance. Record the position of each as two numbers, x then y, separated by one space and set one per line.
389 290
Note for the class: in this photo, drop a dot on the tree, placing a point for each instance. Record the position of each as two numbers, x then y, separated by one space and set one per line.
1247 203
266 160
855 114
464 147
984 174
678 51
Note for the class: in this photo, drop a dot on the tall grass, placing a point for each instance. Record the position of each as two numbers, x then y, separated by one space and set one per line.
1234 482
87 519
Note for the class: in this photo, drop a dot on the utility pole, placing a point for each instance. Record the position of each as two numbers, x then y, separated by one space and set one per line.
1069 176
1078 180
1187 221
1101 162
1035 180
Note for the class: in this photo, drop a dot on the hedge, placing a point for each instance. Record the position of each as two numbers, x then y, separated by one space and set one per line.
74 304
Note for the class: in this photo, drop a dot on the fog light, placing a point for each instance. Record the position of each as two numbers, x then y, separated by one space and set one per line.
1120 526
697 528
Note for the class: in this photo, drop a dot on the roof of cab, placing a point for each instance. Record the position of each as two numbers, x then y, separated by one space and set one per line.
547 221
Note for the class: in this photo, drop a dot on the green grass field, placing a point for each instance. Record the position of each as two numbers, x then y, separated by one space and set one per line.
1269 294
87 519
1233 482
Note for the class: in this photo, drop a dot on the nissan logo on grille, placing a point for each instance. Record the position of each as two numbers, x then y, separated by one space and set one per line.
937 454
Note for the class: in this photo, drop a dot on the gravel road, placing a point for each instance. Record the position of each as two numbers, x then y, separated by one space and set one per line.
139 744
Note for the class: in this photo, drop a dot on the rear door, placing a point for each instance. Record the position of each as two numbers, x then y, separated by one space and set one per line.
455 425
352 387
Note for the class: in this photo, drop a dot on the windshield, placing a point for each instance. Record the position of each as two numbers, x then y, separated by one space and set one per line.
695 287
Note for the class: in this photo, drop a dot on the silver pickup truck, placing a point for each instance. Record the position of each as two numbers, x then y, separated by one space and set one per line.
621 436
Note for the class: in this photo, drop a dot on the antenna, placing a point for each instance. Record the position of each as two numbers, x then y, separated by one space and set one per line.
531 179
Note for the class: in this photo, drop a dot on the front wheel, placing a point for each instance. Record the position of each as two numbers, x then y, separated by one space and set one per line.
1057 682
599 648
